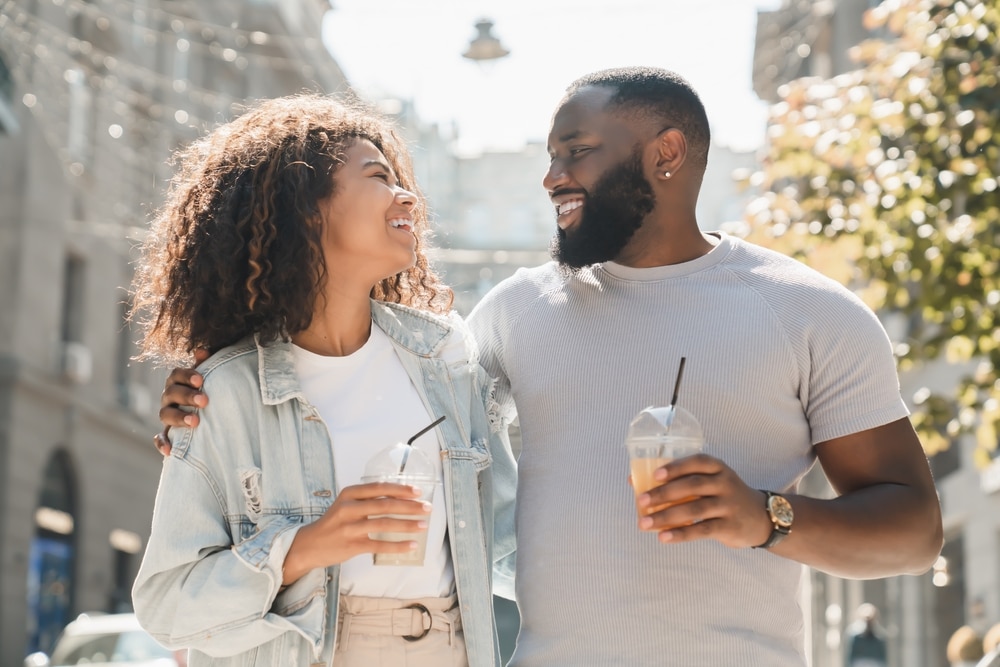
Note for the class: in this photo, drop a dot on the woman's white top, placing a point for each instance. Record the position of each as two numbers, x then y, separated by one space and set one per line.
368 404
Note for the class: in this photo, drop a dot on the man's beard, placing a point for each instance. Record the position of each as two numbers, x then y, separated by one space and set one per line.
612 212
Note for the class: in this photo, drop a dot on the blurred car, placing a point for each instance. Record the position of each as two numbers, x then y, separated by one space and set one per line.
106 639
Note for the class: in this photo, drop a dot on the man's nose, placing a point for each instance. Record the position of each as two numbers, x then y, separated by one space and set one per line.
555 176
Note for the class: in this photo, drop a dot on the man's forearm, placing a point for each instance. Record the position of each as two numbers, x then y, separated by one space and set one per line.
879 531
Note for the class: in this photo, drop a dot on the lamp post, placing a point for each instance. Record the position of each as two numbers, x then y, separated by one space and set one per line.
485 46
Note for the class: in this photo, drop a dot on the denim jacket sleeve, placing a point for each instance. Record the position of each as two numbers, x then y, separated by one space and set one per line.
487 425
195 588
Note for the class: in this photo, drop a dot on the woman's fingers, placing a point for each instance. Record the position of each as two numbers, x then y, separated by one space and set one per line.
379 490
386 524
366 509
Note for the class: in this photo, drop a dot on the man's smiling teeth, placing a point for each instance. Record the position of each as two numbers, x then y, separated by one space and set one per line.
566 207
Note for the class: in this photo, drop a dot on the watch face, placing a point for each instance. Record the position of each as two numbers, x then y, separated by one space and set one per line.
781 511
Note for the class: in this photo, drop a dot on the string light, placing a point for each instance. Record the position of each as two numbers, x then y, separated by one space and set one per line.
184 26
60 66
118 121
239 37
44 34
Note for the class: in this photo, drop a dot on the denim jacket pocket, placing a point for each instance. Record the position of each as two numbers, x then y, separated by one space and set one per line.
478 454
244 528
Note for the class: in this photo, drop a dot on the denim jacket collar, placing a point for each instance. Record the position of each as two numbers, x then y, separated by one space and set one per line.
416 331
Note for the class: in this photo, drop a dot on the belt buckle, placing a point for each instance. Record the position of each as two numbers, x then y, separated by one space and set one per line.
430 622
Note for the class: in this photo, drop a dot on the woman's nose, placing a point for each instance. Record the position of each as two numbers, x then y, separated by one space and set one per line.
405 197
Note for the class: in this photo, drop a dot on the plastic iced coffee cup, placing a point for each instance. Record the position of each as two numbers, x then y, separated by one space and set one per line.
657 436
403 464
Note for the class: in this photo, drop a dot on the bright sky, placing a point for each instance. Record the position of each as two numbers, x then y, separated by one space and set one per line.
412 49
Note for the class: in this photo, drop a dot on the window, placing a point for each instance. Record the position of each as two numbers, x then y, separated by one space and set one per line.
80 118
76 364
124 355
8 123
121 594
51 559
131 380
73 299
6 83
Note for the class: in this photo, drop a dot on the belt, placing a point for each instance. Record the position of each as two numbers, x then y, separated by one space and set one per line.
412 621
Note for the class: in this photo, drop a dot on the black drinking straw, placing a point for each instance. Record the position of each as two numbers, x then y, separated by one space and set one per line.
677 388
677 382
406 454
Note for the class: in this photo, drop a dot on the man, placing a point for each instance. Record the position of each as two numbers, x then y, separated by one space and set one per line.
784 367
864 644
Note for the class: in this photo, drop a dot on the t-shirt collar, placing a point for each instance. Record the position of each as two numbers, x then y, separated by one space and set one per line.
723 244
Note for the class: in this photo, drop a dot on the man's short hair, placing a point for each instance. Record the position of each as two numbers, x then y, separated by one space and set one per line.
659 93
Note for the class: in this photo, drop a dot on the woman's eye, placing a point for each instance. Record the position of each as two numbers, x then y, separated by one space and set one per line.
383 176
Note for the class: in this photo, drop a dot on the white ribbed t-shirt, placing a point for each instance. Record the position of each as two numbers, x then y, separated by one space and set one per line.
779 358
369 403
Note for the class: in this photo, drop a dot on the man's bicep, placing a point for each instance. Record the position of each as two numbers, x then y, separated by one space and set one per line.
888 454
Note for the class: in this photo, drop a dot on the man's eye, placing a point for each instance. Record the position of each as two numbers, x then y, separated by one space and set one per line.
578 151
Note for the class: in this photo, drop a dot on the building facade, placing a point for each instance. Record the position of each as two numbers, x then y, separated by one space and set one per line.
93 98
498 220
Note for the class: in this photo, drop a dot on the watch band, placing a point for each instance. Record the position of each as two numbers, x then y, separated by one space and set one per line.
777 535
778 532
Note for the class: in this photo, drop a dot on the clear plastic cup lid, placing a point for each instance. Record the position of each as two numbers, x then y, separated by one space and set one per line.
657 422
400 459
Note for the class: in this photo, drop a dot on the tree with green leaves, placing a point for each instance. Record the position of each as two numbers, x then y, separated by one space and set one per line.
894 170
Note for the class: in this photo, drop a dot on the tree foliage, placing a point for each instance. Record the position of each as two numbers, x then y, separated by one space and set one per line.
893 169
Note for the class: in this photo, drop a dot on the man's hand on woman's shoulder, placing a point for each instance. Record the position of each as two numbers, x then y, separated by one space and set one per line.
182 389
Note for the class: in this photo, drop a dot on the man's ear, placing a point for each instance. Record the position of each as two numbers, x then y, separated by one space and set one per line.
669 153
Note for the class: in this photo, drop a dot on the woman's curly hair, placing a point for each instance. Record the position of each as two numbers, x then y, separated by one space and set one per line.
235 249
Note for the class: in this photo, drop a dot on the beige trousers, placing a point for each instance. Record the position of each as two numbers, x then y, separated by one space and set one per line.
382 632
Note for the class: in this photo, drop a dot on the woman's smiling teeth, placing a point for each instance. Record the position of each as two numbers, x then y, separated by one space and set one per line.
402 223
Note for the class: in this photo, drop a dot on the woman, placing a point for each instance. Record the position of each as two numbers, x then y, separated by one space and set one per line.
291 246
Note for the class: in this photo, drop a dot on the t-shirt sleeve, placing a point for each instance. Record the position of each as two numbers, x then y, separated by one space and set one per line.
488 325
460 347
851 384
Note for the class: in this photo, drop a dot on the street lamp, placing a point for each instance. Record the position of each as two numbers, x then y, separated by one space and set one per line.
485 46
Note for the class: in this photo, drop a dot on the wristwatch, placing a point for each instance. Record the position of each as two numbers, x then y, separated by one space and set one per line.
779 510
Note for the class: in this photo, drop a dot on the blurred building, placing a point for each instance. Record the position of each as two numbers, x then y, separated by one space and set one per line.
498 220
93 98
723 198
812 39
806 38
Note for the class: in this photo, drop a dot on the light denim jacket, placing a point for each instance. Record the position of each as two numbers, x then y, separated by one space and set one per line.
235 490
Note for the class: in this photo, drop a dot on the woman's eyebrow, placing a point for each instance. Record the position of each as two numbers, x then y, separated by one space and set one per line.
377 163
382 165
